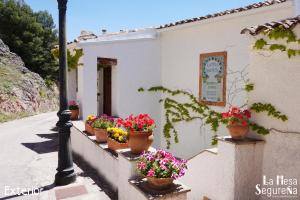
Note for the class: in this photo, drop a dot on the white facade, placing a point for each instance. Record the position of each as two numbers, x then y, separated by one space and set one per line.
276 80
138 65
170 57
181 47
72 81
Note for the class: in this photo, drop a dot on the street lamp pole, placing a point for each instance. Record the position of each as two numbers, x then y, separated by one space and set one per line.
65 171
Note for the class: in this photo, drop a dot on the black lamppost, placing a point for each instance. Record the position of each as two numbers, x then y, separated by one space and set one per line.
65 171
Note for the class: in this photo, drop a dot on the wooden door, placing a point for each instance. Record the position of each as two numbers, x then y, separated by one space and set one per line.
107 90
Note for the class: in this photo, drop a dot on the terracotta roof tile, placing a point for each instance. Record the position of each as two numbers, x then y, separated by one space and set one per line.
285 23
226 12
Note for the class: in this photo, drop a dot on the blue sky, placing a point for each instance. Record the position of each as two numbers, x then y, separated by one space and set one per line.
115 15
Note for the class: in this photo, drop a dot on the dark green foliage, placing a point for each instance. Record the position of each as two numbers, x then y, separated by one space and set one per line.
279 33
30 35
269 109
282 33
280 47
193 109
259 44
259 129
141 90
249 87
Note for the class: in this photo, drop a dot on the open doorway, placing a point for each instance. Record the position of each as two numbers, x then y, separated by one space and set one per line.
104 84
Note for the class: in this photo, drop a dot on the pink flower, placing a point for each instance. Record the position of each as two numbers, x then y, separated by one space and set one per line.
151 173
163 161
149 157
141 165
181 173
72 102
174 175
163 167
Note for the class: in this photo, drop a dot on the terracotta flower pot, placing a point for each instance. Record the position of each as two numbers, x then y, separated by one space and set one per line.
114 145
74 114
238 132
89 129
101 135
159 183
139 141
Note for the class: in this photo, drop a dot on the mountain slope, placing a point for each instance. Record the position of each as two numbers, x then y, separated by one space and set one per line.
22 92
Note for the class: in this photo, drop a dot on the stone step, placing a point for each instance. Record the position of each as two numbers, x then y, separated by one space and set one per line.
140 189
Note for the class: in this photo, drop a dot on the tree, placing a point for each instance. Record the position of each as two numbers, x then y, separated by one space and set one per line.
30 35
73 56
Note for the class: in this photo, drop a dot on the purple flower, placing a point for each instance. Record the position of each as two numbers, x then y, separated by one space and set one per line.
181 173
174 175
150 157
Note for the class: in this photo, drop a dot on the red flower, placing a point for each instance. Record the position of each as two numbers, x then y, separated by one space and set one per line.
225 115
237 116
244 123
247 113
140 122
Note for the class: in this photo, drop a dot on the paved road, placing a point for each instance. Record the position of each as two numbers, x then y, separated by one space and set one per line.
28 158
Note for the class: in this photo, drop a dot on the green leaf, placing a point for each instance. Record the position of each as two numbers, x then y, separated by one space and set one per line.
249 87
141 89
280 47
259 44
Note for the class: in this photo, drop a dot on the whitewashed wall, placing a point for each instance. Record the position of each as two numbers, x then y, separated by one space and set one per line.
297 7
180 50
72 94
276 81
80 89
138 66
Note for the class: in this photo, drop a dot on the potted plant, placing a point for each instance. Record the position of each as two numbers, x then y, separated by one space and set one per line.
88 124
161 168
139 129
237 121
74 108
100 125
117 139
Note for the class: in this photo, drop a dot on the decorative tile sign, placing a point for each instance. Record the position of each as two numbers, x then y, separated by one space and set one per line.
212 84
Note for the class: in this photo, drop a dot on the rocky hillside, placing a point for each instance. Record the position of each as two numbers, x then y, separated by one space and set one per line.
22 92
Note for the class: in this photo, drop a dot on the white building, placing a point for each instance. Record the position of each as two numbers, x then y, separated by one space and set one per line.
115 65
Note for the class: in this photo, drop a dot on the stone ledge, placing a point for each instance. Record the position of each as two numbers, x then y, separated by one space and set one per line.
245 141
128 155
178 190
78 125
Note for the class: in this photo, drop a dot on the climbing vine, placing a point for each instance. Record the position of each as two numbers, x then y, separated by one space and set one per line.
279 33
176 112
